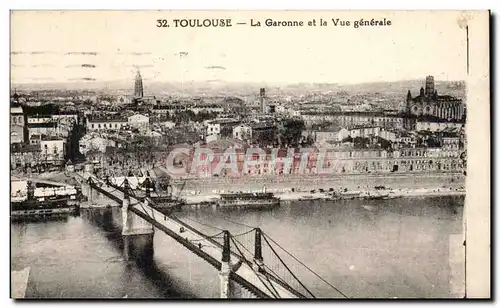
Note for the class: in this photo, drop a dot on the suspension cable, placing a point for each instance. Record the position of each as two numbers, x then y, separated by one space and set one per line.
235 222
279 258
321 278
251 267
267 278
205 237
244 233
203 224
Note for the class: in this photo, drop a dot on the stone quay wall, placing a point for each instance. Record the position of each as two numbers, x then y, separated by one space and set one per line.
215 185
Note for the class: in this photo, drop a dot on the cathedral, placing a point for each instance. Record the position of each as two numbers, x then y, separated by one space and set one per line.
429 104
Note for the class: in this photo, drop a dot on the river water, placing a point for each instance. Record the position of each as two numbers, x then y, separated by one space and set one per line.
366 249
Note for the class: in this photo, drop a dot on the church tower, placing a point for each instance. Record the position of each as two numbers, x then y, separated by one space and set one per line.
408 103
138 90
429 86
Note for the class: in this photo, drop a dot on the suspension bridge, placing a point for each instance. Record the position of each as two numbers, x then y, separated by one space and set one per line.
250 264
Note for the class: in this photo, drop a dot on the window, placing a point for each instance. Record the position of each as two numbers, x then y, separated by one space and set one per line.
14 119
99 125
93 126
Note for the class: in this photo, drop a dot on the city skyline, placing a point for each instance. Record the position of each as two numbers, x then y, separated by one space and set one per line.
103 52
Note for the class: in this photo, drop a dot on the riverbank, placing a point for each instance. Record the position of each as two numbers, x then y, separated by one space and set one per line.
277 184
364 193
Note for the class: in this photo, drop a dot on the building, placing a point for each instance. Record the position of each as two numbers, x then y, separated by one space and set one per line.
354 118
364 131
24 156
106 123
405 141
138 121
53 150
35 139
262 99
213 128
342 134
67 118
208 108
36 119
17 124
387 135
436 125
95 143
242 132
405 160
138 89
450 141
43 129
123 100
429 103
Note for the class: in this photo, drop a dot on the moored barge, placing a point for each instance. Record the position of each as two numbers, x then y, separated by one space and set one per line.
36 204
241 200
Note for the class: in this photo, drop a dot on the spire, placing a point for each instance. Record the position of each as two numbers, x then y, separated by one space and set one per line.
138 89
408 96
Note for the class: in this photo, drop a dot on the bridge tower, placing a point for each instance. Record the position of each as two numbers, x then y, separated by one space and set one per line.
228 288
225 271
258 259
90 182
137 233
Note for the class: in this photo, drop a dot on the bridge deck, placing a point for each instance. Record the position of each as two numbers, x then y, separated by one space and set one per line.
258 283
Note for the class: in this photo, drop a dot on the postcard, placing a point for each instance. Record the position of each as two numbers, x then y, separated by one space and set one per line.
250 154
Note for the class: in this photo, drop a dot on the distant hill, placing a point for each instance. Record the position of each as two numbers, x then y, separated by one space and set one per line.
222 88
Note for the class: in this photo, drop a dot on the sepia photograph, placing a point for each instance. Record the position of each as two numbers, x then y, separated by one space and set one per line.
245 154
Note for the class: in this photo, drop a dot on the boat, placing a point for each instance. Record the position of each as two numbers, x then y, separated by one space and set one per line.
30 205
309 198
95 206
376 196
167 203
350 195
46 209
391 196
258 200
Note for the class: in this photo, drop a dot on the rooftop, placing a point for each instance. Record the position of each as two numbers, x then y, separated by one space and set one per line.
51 138
104 119
42 125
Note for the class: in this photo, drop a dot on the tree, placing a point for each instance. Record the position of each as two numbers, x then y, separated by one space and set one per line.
347 139
290 132
360 142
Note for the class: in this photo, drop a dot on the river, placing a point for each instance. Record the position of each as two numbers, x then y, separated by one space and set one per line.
366 249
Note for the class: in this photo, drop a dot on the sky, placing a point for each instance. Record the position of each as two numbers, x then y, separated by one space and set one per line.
50 46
